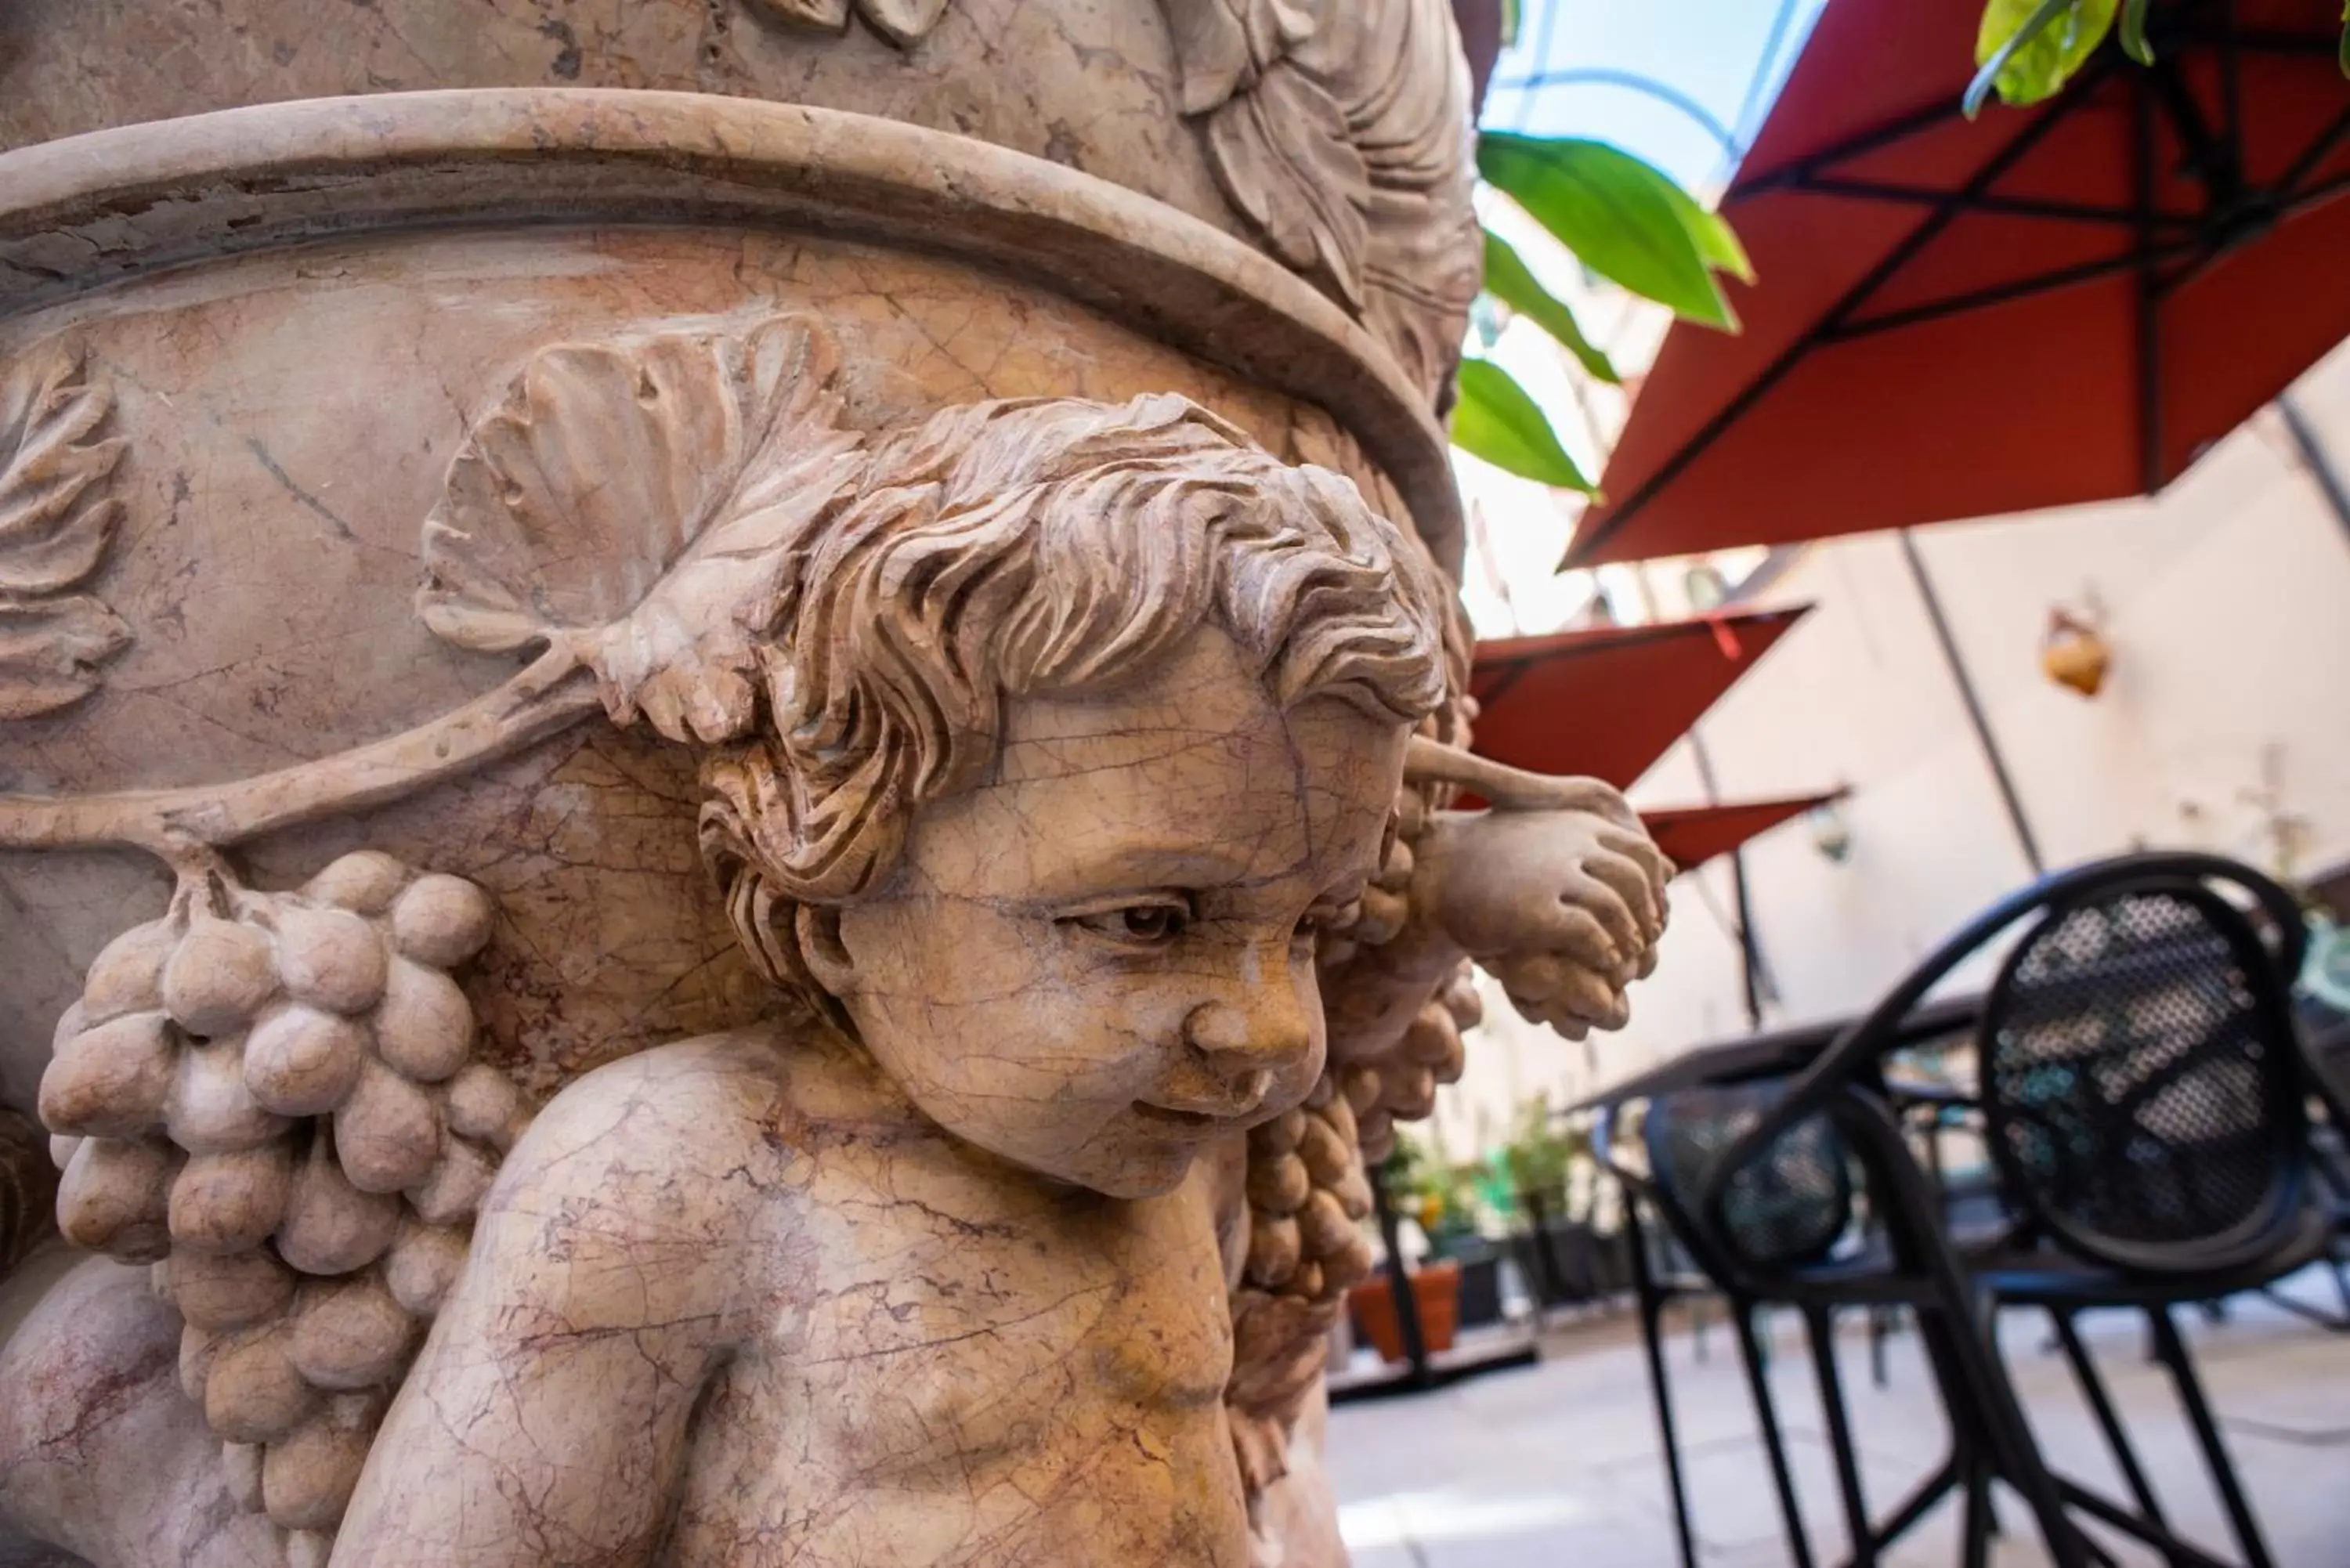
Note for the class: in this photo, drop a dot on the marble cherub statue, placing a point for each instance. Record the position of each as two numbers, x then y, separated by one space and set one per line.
1075 738
1051 757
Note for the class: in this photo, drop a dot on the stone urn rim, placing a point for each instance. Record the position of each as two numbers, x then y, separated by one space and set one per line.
84 212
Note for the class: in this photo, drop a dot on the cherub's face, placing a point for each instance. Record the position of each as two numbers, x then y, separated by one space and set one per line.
1103 962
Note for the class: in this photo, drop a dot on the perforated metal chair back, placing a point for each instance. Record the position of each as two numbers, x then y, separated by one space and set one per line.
1783 1210
2139 1083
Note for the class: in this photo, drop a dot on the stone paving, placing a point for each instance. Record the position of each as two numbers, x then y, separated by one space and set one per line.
1557 1466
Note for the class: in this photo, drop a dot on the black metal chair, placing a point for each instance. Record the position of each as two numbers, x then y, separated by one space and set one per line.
1664 1274
2144 1097
1661 1274
2327 1032
1767 1196
2145 1094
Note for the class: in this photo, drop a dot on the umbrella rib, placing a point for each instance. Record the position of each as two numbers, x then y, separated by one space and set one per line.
2215 250
2003 206
2289 188
2001 294
1867 141
1504 682
2145 291
2316 196
2288 197
1932 224
2266 41
2216 159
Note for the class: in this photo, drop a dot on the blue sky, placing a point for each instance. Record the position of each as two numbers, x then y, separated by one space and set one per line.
1712 51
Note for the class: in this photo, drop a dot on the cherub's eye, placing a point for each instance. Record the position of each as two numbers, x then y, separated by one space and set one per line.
1150 924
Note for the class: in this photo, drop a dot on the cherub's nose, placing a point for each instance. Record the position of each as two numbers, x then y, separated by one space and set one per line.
1270 1032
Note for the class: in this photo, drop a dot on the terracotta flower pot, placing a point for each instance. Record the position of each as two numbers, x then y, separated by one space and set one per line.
1435 1290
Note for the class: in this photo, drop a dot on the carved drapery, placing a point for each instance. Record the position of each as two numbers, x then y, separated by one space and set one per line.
1341 131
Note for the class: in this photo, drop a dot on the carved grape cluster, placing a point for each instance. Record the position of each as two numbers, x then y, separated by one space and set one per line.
1401 1087
1308 1193
276 1101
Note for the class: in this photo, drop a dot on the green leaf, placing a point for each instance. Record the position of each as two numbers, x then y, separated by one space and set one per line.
2134 42
1620 217
2030 48
1508 279
1716 241
1510 15
1495 420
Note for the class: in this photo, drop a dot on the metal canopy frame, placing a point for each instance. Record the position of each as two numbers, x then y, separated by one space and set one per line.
2165 250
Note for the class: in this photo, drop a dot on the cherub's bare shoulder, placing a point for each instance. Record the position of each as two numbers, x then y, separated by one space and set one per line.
632 1129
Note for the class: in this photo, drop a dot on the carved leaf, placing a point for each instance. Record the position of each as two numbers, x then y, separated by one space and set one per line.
824 15
637 501
52 531
51 650
904 23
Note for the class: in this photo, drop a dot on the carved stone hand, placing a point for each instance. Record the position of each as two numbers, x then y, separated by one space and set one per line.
1563 907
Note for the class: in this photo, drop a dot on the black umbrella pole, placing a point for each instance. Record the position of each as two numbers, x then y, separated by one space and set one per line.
1750 953
2317 460
1965 683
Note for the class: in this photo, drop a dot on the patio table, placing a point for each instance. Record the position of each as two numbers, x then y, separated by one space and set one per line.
1773 1055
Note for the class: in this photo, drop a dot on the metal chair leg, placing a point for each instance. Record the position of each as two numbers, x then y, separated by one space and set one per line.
2092 1389
1651 1301
1977 1549
1651 1336
2015 1457
1742 1316
1820 1327
2173 1351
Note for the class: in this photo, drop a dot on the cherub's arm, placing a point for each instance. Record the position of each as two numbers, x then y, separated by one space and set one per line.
546 1420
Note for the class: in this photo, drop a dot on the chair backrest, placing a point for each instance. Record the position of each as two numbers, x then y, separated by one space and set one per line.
1786 1208
2139 1080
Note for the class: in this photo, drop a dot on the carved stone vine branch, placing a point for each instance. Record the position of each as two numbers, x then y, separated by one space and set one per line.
178 825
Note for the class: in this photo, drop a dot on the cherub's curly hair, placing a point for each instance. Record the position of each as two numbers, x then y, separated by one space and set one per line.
1032 548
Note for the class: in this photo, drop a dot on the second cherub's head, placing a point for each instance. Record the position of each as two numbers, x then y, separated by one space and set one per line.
1082 717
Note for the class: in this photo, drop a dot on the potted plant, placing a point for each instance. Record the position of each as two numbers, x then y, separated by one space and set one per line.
1559 1251
1434 1195
1456 1220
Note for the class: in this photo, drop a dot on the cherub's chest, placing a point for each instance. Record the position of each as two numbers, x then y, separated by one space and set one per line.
931 1334
962 1358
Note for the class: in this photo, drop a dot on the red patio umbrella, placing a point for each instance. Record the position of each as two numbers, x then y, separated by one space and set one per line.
2041 306
1693 835
1607 701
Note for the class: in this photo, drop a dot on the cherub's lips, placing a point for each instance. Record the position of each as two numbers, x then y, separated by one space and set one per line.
1194 1116
1169 1115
